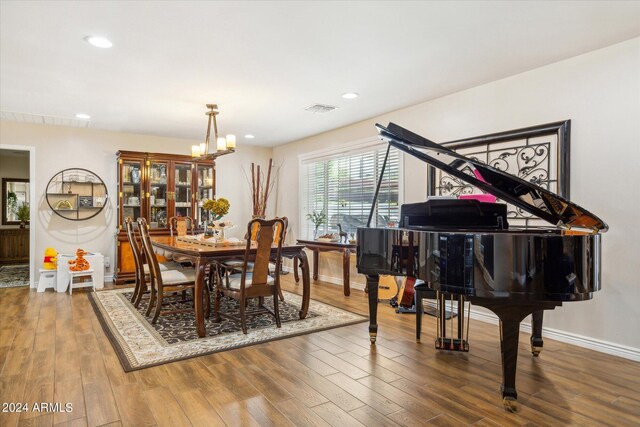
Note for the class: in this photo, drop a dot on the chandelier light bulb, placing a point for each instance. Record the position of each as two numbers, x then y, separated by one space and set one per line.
231 141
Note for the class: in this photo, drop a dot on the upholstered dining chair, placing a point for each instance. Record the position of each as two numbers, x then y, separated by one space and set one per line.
257 283
235 266
141 266
173 224
173 231
166 281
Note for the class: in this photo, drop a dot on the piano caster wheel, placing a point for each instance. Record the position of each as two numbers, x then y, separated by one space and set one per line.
510 404
535 350
372 337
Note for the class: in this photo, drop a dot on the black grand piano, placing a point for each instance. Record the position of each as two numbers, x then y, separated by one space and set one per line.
473 253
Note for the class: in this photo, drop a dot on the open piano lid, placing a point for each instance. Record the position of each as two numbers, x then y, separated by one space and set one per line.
525 195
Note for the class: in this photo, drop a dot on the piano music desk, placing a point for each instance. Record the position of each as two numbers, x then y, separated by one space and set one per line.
316 247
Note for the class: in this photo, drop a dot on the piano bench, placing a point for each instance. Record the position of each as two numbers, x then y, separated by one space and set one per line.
421 291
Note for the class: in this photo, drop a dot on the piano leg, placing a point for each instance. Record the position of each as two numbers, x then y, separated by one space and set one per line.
510 316
372 289
509 334
536 332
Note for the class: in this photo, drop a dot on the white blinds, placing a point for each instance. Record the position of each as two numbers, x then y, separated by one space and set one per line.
342 187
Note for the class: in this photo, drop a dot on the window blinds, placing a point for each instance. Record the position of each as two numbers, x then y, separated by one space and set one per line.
343 187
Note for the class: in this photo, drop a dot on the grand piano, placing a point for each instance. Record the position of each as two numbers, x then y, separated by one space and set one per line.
475 255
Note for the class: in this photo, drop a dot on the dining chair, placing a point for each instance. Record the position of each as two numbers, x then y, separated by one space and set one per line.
141 266
167 281
173 225
173 230
257 283
235 266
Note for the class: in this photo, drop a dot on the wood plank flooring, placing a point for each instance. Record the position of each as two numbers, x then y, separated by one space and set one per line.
52 349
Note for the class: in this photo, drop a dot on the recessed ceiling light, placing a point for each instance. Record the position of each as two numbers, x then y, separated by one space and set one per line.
249 136
98 41
83 116
350 95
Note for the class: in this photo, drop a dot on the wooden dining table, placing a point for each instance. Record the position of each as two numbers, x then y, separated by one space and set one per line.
202 255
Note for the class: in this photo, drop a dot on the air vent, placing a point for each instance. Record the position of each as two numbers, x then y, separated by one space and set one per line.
43 120
320 108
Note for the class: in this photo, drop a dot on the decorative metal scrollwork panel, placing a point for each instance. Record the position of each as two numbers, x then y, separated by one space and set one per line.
538 154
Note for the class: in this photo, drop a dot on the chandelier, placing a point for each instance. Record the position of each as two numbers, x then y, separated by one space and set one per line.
223 145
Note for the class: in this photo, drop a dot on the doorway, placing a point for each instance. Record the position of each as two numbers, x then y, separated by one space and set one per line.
16 228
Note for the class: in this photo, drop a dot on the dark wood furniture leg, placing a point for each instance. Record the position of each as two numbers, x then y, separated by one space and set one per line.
536 332
199 297
346 264
419 310
316 256
372 289
306 283
295 269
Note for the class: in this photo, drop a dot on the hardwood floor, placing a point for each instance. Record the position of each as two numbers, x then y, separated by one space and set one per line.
52 349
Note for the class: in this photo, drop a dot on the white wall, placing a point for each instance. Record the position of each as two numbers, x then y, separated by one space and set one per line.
58 148
13 166
600 93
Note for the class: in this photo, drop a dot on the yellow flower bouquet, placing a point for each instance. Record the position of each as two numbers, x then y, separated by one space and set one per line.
217 207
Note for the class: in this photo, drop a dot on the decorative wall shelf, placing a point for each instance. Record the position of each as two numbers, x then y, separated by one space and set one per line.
76 194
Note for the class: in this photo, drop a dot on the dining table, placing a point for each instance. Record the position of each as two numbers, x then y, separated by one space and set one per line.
202 255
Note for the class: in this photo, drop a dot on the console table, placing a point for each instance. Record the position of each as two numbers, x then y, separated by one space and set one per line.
316 247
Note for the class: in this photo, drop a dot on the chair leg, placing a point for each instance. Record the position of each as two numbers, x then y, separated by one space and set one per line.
207 301
141 292
243 319
216 305
152 300
276 310
158 308
281 294
136 289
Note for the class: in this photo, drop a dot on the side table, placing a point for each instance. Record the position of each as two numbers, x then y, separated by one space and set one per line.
316 247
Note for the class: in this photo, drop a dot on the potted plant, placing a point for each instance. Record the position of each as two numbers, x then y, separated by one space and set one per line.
317 218
23 215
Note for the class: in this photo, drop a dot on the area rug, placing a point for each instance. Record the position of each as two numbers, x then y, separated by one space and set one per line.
14 275
139 344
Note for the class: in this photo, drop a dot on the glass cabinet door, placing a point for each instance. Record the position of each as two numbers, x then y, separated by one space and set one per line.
182 190
205 190
158 195
131 192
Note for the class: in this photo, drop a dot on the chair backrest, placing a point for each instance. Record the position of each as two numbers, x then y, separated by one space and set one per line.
276 236
267 232
145 239
136 249
173 224
281 236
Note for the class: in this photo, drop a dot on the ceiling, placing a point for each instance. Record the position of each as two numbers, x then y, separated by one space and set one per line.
264 62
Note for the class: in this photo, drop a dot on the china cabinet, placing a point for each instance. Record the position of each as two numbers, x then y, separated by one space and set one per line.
157 187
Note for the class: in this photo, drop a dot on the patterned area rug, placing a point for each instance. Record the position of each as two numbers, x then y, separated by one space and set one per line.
139 344
14 275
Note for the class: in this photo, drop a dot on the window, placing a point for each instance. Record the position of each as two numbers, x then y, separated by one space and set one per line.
342 187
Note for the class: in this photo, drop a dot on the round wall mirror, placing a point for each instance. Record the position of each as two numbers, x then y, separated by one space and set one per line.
76 194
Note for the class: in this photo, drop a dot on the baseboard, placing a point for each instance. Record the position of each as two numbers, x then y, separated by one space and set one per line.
333 280
563 336
601 346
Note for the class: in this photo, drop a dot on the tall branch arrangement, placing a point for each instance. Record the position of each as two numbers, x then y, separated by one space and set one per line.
261 188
